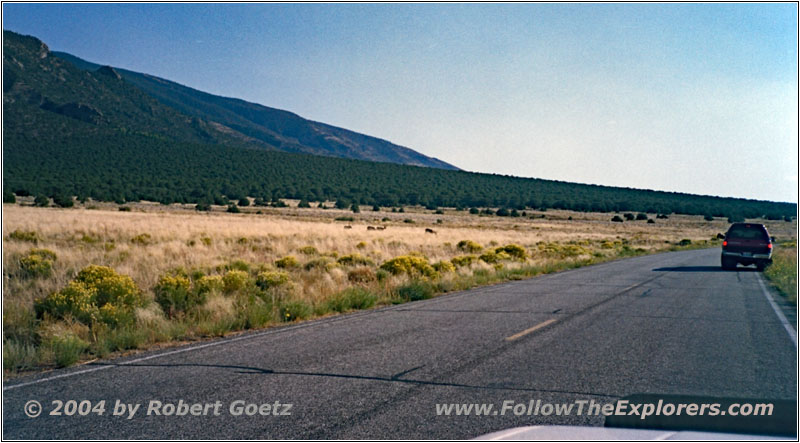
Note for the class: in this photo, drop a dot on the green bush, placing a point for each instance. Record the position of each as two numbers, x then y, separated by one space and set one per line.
617 219
235 280
9 197
294 310
66 350
18 356
237 265
271 279
685 242
142 239
469 246
320 263
382 275
414 291
411 265
354 260
464 260
63 201
28 236
351 298
308 250
41 201
233 209
96 294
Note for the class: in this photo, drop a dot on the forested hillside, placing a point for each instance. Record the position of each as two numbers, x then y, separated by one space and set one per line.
70 132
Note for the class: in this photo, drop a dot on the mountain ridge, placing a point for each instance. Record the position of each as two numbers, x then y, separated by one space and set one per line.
284 130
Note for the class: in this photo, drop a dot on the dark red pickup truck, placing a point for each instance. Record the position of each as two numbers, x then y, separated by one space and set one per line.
747 244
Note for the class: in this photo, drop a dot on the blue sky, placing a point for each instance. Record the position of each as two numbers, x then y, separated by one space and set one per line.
698 98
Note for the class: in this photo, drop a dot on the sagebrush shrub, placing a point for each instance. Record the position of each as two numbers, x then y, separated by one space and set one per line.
238 265
209 283
28 236
411 265
271 279
142 239
235 280
444 267
323 263
174 294
469 246
288 262
354 260
517 252
464 260
361 275
96 294
308 250
37 263
493 257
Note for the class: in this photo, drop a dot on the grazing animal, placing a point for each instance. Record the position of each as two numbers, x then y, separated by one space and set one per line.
371 228
429 231
348 227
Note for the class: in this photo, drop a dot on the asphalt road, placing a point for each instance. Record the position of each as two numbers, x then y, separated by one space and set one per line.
671 323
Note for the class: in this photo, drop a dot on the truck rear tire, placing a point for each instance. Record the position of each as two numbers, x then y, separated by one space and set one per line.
728 264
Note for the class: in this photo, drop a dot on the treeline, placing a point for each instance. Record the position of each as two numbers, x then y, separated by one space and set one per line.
110 166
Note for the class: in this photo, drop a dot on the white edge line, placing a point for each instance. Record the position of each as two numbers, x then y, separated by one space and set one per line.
789 329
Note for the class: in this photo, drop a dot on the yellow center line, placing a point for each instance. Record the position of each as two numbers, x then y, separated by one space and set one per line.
529 330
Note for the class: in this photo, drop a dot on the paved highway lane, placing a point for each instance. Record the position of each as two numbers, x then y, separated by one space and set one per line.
671 323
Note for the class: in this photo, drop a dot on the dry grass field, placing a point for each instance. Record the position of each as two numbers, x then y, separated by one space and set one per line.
196 274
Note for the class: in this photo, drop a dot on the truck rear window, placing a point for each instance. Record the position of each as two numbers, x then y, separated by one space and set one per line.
747 232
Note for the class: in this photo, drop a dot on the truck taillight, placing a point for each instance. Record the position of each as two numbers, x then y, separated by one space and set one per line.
769 245
725 243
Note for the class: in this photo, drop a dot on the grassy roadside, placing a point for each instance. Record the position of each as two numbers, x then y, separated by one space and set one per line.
244 297
782 274
81 284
